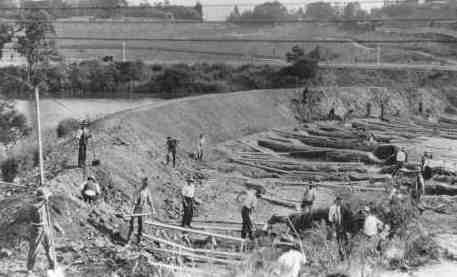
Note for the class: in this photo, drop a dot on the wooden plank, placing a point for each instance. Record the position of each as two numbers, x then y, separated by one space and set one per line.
173 227
191 255
181 268
185 248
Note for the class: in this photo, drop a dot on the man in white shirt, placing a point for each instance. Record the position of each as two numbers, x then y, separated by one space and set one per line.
372 224
187 193
200 146
401 157
372 229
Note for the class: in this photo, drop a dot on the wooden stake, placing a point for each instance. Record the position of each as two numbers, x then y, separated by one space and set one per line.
40 145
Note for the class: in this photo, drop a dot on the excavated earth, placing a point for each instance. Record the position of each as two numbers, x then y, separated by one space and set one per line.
256 139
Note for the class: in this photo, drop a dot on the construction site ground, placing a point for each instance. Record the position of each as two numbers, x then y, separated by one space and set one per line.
255 139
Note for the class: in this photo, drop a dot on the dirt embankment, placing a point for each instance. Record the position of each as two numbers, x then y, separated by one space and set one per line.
131 144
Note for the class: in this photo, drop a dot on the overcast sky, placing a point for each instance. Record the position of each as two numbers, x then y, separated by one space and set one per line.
220 13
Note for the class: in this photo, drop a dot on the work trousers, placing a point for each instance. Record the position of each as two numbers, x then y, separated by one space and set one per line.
200 154
173 156
41 235
82 155
247 225
342 240
188 211
140 228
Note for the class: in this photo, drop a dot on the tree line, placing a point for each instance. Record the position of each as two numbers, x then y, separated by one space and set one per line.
111 9
274 12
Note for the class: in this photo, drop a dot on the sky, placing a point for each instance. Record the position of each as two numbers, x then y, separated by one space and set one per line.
220 13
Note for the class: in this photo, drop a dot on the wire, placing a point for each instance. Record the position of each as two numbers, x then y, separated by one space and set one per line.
195 21
163 39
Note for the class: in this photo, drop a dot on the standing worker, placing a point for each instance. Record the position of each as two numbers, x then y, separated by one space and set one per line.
41 231
172 144
200 146
143 198
247 214
309 196
419 189
335 217
187 193
83 137
401 157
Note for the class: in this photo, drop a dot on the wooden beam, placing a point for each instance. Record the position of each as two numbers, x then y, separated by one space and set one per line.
185 248
181 268
191 255
173 227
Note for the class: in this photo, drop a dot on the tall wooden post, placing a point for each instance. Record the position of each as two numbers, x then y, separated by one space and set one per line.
40 145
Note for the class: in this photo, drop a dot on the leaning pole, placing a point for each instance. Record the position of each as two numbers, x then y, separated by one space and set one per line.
39 141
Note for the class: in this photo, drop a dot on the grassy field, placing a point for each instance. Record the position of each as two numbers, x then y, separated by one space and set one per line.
175 51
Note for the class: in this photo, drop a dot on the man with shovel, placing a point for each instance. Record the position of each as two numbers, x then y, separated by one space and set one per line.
41 233
83 137
142 199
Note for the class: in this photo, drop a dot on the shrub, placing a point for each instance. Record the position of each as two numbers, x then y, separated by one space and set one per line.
10 169
66 127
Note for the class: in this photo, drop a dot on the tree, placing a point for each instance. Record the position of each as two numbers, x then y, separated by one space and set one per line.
12 123
6 34
234 15
320 10
199 8
270 11
351 10
34 44
264 13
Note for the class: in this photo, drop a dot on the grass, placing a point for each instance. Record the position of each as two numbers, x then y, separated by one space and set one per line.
145 30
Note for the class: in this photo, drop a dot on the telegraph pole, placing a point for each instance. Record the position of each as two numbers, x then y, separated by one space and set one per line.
40 144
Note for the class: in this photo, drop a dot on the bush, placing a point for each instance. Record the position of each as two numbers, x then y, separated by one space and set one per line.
66 127
10 169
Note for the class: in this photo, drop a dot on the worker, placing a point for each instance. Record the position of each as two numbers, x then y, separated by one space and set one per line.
143 199
247 214
419 188
41 231
309 195
187 193
201 143
372 227
335 217
172 144
401 157
331 114
90 190
290 263
83 135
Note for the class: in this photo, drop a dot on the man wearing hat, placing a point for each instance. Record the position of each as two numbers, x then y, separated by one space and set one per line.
90 190
335 217
372 227
172 144
142 199
83 137
41 231
187 192
247 213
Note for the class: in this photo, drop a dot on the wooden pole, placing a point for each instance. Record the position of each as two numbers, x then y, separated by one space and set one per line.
40 145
